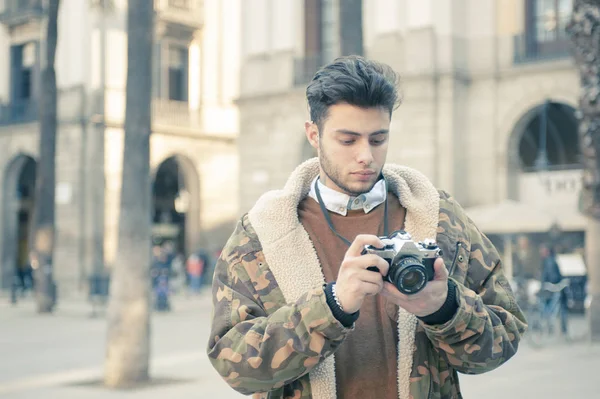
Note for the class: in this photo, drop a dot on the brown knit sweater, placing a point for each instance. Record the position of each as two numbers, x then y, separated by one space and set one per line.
366 363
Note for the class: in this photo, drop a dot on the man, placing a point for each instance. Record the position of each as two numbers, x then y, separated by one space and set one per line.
296 312
551 274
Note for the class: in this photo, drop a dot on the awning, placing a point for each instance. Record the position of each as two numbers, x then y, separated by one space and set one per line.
509 217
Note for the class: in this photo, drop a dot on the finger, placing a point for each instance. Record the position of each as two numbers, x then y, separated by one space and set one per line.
365 282
370 260
370 277
359 243
366 261
439 269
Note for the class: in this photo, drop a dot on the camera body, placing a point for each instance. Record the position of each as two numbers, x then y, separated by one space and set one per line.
411 263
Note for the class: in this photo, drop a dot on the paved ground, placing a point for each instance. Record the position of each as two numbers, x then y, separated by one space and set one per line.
58 356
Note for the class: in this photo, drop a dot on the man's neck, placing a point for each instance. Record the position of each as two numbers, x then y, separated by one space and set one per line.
327 182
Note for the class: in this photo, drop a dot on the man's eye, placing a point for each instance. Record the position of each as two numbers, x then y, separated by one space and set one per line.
378 142
347 142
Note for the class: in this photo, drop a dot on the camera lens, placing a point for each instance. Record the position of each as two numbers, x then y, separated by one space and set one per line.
411 278
408 275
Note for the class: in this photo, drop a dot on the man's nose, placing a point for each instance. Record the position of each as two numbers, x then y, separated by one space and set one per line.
365 155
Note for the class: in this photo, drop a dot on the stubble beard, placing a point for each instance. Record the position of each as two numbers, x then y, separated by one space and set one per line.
332 173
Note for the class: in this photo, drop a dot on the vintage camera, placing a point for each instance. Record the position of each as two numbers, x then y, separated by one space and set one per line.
411 263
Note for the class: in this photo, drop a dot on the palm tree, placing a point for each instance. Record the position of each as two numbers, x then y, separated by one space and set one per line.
584 30
43 226
128 350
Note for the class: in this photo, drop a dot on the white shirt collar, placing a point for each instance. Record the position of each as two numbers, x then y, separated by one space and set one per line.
340 203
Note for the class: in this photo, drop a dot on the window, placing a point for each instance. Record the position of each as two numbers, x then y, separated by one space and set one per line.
329 36
178 73
545 28
171 72
24 60
551 19
351 27
329 31
24 80
550 139
312 28
332 30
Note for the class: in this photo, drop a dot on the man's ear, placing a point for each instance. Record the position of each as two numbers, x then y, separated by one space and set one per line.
312 133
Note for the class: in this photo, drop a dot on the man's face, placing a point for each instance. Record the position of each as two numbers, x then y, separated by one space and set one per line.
352 147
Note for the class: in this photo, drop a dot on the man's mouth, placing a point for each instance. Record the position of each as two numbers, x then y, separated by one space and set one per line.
364 173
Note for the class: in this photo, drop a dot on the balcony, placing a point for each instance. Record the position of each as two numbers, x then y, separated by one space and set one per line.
189 13
17 12
70 108
305 68
23 111
527 49
169 114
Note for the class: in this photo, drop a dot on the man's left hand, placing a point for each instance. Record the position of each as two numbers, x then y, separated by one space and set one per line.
427 301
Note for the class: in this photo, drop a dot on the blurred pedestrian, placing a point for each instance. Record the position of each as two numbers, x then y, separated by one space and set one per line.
551 274
195 268
160 275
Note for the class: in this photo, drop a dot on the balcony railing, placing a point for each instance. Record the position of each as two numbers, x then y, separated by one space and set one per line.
175 114
70 108
182 12
166 114
15 12
305 68
23 111
527 49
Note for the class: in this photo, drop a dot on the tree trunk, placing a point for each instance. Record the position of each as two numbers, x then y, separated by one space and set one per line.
128 349
584 30
43 229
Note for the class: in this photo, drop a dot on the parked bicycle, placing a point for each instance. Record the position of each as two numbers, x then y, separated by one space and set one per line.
547 314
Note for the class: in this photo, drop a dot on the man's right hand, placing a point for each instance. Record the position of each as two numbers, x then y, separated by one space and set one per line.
354 281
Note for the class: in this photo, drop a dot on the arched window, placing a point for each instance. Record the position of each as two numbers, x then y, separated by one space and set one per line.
18 203
176 197
550 139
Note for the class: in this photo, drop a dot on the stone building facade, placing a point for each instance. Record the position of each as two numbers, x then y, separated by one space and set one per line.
485 84
193 144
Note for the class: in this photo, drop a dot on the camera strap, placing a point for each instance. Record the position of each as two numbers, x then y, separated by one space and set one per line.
330 222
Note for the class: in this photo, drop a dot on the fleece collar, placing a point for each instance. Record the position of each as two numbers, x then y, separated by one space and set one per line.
293 260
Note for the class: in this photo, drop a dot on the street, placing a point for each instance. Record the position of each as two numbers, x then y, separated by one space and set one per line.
61 356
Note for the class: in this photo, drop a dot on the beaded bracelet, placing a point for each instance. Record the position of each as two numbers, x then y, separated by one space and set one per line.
336 298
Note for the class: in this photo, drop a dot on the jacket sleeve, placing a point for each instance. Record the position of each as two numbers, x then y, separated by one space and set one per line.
256 344
488 324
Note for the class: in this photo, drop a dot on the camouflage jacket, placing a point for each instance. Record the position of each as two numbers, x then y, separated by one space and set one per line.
273 334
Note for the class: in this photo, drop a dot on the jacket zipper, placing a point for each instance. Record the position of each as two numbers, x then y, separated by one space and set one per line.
458 245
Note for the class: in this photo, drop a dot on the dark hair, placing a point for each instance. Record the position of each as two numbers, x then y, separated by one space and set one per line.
550 248
353 80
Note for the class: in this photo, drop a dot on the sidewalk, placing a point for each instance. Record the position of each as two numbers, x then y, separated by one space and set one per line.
59 356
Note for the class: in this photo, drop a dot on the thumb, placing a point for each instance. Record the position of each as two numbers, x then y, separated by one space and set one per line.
440 271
